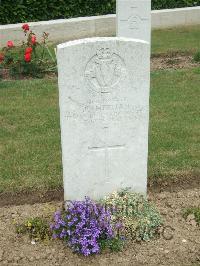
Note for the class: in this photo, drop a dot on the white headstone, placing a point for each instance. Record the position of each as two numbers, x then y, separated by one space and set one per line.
134 19
104 113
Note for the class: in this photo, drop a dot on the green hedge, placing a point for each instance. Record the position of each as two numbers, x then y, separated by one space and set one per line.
162 4
14 11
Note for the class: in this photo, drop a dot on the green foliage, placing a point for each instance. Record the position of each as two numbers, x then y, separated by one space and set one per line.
162 4
115 245
36 10
30 69
197 57
139 218
1 72
37 228
33 10
193 210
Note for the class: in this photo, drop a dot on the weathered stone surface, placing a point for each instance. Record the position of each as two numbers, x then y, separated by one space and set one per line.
134 19
104 110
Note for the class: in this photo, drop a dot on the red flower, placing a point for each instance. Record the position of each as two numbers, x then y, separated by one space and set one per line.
28 50
27 57
25 27
1 58
10 44
33 39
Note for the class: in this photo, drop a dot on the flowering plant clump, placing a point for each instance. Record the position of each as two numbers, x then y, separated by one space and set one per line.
140 219
85 226
32 58
37 228
89 227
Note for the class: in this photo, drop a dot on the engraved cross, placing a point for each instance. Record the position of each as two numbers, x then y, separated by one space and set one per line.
106 148
134 19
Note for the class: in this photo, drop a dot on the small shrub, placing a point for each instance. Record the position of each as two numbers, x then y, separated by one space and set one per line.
115 244
197 57
29 59
37 229
193 210
140 219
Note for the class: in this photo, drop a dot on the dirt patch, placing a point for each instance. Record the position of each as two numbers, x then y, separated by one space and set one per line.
176 61
174 184
157 185
30 197
183 249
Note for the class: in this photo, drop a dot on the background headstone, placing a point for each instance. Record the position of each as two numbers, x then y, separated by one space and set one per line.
134 19
104 113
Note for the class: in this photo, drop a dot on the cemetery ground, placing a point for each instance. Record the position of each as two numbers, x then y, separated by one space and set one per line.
31 160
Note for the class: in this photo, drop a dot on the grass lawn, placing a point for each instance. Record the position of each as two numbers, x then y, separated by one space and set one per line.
30 134
174 146
30 137
183 39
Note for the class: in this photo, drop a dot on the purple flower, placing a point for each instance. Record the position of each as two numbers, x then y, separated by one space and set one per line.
83 225
57 226
70 223
119 225
63 233
85 251
61 222
54 236
51 226
95 249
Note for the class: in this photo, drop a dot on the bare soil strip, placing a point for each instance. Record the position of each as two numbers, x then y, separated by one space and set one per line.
37 196
174 61
30 197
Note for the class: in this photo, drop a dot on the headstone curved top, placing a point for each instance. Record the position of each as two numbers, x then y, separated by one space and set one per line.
104 112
